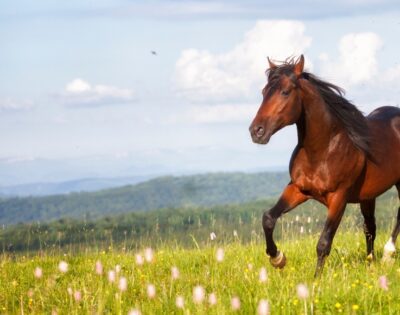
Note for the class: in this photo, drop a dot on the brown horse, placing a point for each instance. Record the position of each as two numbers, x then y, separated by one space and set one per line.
341 156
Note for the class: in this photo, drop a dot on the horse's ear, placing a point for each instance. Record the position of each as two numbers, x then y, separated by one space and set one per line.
271 64
299 66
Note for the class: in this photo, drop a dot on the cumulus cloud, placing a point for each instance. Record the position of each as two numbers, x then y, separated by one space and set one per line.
357 70
202 76
357 62
79 92
11 104
220 83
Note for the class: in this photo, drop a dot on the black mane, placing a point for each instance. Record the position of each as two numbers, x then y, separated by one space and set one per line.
351 118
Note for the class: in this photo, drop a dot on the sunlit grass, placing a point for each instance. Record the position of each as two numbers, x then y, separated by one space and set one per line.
349 284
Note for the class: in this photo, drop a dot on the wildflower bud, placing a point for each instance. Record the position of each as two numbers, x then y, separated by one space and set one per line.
198 294
212 299
99 268
220 255
302 291
383 283
213 236
77 296
38 272
263 308
139 259
148 254
123 284
235 303
174 273
179 302
63 266
263 275
111 276
134 311
151 291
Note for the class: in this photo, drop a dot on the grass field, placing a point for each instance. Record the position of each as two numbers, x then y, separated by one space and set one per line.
144 284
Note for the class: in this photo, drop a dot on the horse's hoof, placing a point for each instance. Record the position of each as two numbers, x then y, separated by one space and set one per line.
371 257
279 261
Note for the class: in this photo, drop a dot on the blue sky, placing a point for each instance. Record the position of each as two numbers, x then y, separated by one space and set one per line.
81 94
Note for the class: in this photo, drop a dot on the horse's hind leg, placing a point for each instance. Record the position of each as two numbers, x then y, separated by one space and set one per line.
389 248
368 212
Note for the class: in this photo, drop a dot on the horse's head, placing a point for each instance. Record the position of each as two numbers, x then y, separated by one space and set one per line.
281 105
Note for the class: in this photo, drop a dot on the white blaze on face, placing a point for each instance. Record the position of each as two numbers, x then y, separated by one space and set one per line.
389 248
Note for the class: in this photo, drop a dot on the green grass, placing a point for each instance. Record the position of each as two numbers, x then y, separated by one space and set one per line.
348 285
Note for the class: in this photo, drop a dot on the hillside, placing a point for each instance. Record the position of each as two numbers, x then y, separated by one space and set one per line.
163 192
66 187
179 225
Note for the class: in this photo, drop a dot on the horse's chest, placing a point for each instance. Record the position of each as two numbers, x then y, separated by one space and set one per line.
315 180
319 179
312 183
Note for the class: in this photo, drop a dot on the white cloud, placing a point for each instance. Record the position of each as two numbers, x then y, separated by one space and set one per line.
225 80
77 86
10 104
357 62
357 70
202 76
80 93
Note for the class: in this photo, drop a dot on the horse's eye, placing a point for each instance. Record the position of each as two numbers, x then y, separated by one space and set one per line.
285 92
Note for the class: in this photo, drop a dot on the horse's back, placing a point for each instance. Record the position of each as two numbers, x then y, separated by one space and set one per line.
385 125
384 113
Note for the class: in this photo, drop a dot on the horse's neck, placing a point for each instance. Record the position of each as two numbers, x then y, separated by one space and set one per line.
316 126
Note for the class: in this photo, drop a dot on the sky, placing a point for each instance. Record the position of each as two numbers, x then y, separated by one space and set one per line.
83 95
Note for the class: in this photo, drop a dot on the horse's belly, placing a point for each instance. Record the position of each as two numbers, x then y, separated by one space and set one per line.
369 192
377 180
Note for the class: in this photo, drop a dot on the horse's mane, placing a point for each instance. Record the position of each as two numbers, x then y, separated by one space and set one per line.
352 119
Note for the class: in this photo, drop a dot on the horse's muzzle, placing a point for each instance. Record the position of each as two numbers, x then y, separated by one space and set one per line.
259 134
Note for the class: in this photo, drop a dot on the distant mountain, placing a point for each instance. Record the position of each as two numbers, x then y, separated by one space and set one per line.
196 190
65 187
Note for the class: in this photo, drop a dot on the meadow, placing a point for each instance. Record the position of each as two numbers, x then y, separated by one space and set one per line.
219 272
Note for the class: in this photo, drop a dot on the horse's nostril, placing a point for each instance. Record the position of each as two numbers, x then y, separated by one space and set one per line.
260 131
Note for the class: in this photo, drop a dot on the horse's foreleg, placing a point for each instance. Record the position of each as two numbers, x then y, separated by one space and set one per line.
389 248
368 212
336 206
290 198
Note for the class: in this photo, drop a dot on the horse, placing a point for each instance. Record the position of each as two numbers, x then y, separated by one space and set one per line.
341 156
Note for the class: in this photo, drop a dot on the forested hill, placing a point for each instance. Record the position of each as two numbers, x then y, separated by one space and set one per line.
162 192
